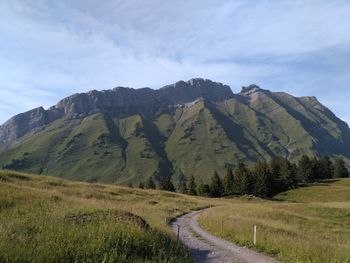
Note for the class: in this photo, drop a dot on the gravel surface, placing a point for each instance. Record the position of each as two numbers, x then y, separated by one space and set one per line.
205 247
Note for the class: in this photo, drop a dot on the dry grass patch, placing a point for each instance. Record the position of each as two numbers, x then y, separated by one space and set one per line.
299 230
45 219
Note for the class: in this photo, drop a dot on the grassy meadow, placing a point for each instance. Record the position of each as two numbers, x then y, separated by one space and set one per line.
45 219
309 224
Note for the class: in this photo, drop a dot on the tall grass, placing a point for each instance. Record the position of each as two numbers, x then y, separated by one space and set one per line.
44 219
297 231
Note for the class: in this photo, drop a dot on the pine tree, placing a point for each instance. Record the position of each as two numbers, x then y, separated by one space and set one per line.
275 168
294 178
183 187
216 187
288 175
315 169
283 175
166 184
228 182
192 187
305 173
141 185
150 183
326 168
340 171
182 182
242 182
203 189
261 174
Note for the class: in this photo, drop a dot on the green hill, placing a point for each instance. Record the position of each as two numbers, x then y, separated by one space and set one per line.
194 128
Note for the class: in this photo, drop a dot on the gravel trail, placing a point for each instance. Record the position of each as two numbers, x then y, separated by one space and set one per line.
205 247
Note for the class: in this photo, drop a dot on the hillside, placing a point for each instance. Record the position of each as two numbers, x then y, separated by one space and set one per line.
196 127
45 219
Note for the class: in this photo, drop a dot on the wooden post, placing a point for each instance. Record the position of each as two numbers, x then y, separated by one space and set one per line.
254 241
178 233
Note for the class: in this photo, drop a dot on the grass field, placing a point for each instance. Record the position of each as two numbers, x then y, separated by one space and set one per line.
309 224
44 219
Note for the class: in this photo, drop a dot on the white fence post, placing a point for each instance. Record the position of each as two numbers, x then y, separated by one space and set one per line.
254 235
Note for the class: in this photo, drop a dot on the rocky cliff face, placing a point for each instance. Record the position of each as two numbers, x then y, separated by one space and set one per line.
22 124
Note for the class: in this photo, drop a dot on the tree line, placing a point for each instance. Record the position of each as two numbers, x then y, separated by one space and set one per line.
263 179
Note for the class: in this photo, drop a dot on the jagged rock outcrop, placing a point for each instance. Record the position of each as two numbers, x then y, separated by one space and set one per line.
246 91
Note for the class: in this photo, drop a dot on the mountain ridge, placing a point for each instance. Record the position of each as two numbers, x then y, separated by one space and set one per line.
93 101
195 127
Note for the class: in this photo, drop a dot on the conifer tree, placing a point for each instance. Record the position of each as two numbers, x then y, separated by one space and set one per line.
216 187
183 187
182 182
192 187
315 169
203 189
283 175
305 173
326 168
166 184
261 183
150 183
288 175
340 171
242 183
228 182
141 185
275 168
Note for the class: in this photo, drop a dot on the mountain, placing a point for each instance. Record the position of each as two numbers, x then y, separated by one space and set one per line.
196 127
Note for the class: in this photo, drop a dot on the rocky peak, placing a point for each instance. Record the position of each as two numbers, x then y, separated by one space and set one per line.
21 124
200 82
183 92
250 89
310 98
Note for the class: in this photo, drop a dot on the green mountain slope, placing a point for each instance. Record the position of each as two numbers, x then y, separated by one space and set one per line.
193 128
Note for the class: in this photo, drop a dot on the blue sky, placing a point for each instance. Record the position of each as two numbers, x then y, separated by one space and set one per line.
51 49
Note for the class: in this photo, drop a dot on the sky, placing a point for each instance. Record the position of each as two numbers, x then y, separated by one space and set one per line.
52 49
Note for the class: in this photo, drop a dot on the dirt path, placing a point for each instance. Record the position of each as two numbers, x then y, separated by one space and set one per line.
205 247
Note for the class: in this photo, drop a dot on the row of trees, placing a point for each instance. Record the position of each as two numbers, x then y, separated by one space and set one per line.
164 183
264 179
312 169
